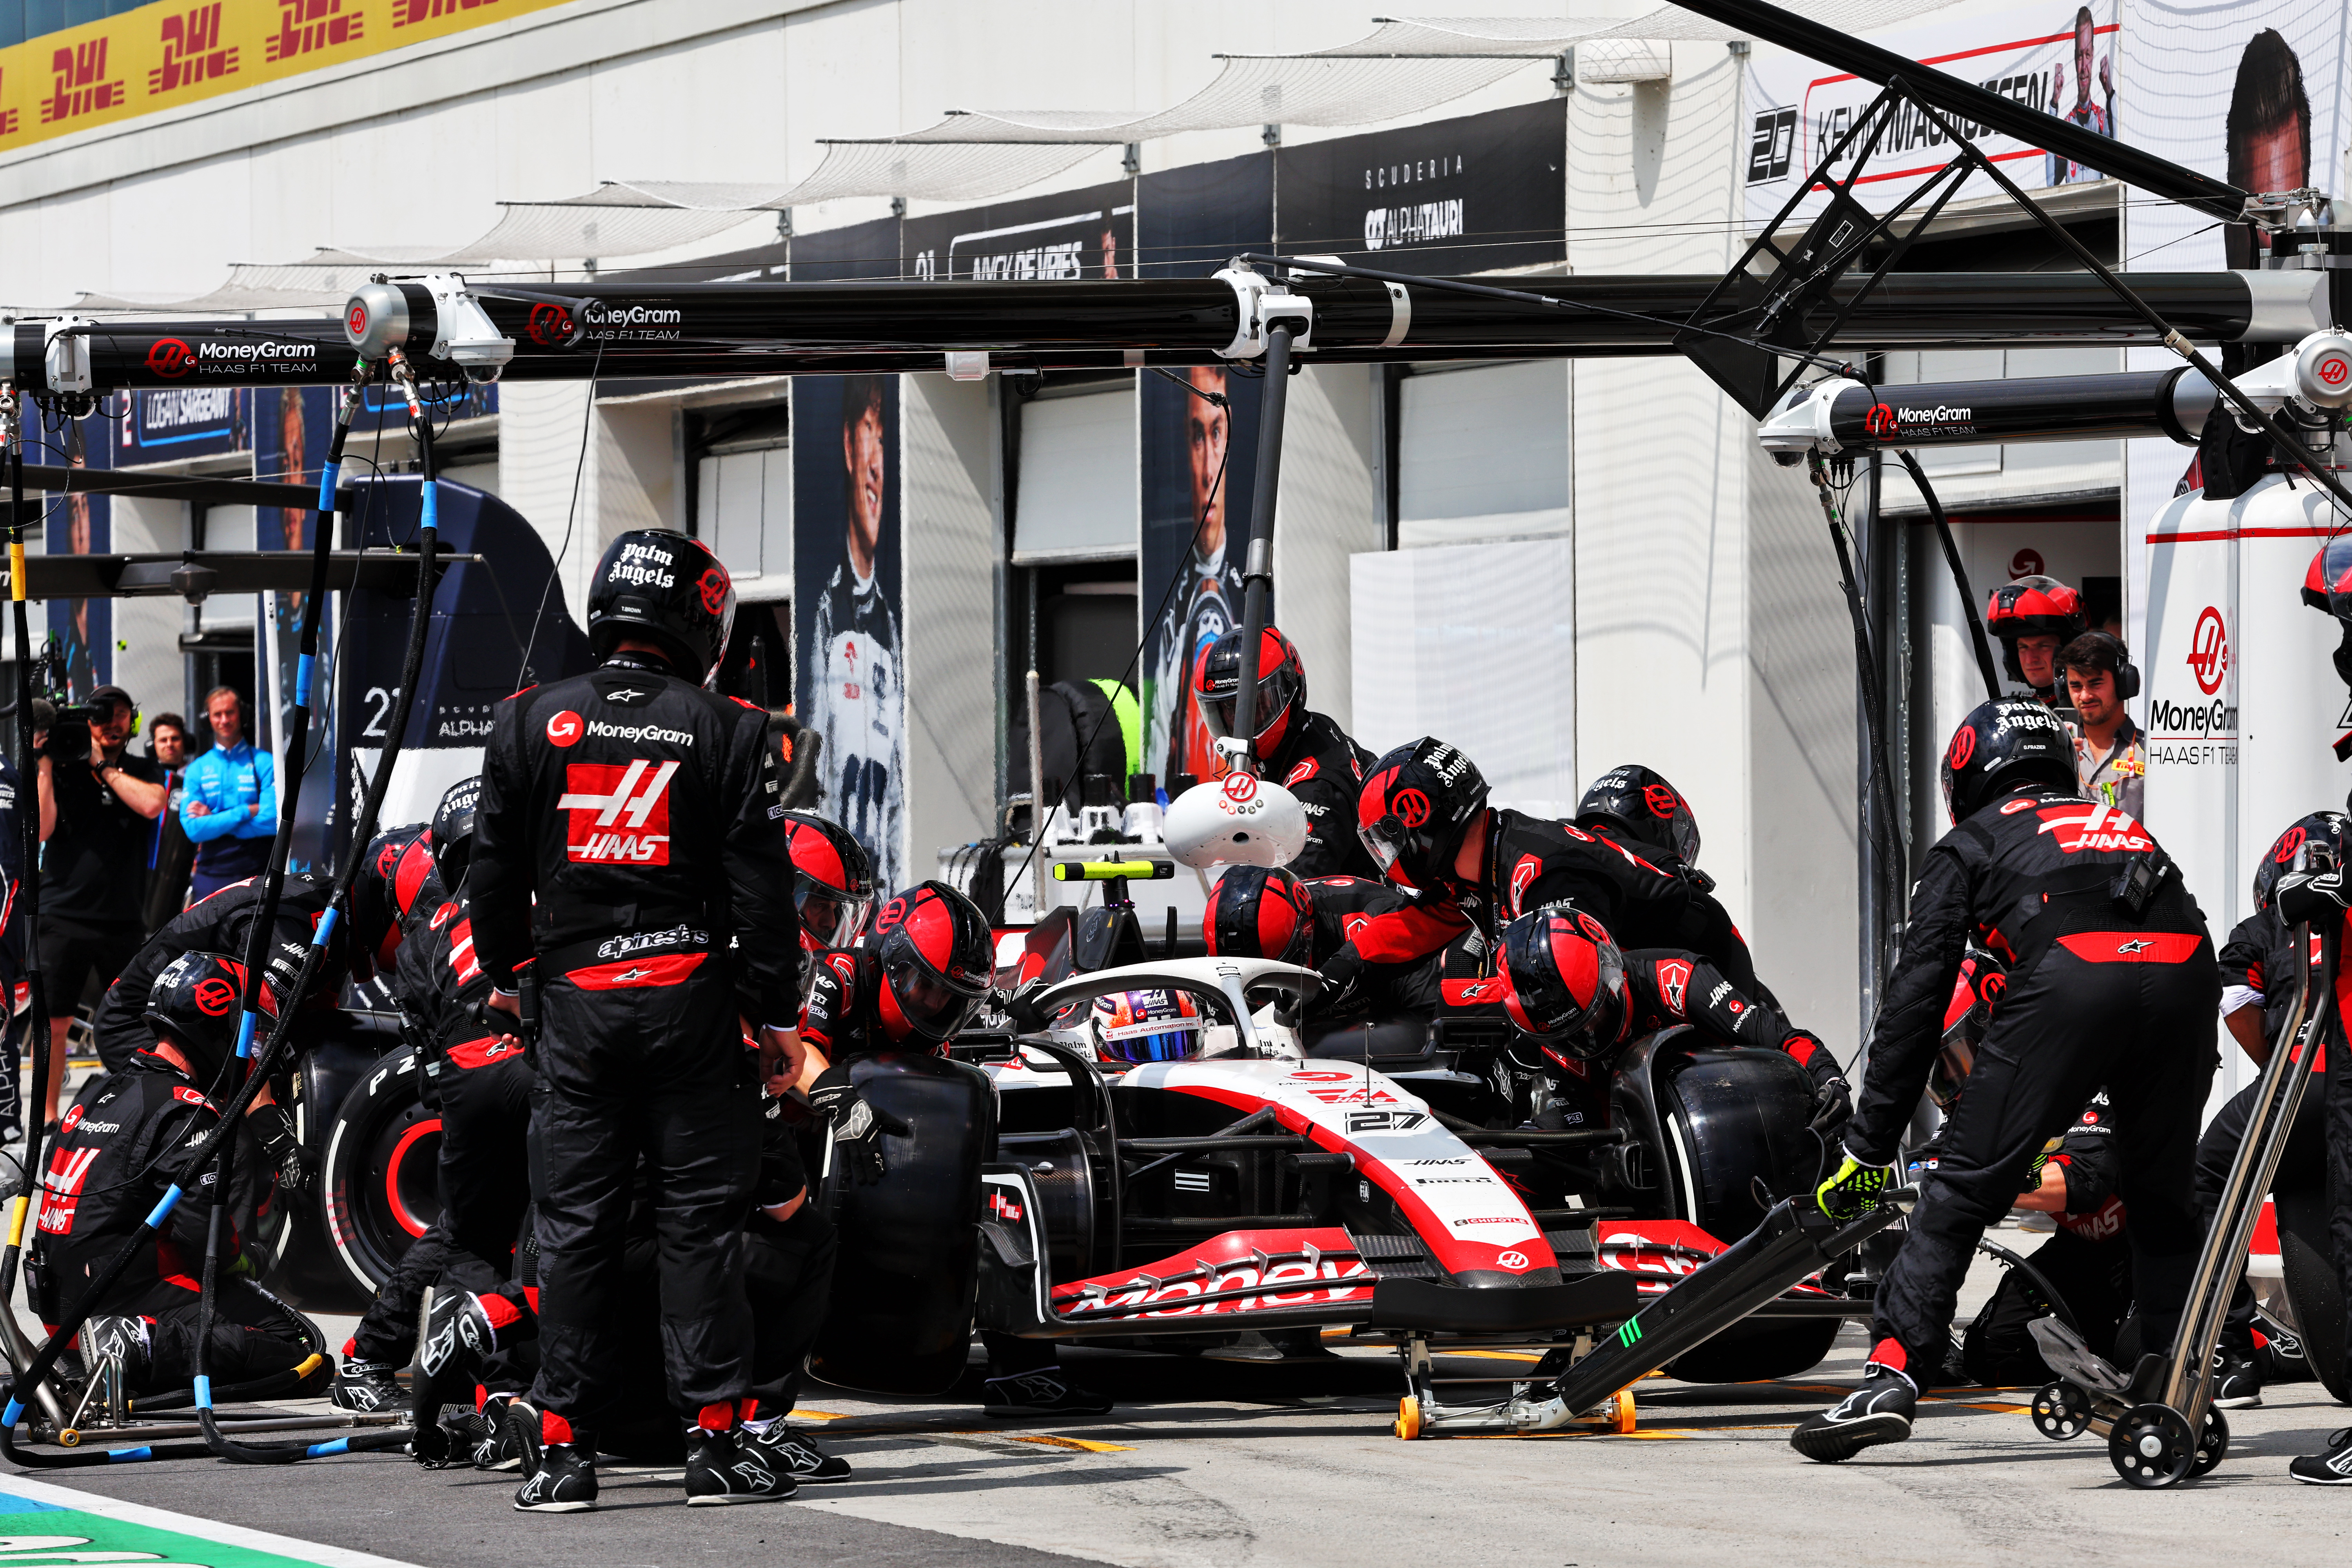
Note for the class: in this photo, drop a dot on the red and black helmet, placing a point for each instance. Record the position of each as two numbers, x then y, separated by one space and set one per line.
197 1002
391 880
938 957
2324 828
1415 805
1260 911
1641 802
832 878
1281 689
1564 980
2033 606
2003 743
2328 584
667 589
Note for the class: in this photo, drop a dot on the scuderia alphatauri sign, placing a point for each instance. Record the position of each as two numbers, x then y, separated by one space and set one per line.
1455 195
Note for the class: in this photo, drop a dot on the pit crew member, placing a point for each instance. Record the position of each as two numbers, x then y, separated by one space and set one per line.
1423 816
2034 618
1301 750
643 814
131 1135
2111 980
916 980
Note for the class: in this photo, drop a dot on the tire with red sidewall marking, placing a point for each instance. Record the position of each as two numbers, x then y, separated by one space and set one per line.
381 1175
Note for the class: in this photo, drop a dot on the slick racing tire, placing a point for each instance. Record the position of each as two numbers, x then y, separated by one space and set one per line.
2314 1284
381 1175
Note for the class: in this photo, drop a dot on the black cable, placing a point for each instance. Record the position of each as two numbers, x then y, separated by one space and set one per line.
45 1358
1894 873
1960 573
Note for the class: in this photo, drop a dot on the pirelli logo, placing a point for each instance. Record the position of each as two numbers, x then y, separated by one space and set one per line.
618 813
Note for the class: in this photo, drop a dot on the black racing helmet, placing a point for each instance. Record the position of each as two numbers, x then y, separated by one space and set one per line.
938 957
669 589
2033 606
2003 743
1641 802
2325 828
392 877
1260 911
453 832
1281 689
1415 805
197 1003
832 878
1564 980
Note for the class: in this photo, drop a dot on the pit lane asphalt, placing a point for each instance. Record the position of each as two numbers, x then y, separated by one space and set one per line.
1215 1463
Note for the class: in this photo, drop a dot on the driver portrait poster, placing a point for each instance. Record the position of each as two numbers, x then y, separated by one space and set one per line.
845 554
1198 428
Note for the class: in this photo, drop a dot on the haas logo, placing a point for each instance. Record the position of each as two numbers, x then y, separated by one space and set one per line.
1510 1260
715 587
619 814
1241 788
2334 370
1661 800
1964 746
2079 827
171 357
2208 651
1881 421
1413 808
550 325
214 998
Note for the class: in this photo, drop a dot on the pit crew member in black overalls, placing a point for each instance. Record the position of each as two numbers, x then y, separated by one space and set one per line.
643 812
833 881
1423 817
2111 980
2087 1260
1304 751
910 985
1636 809
131 1135
2260 974
1566 982
1261 911
476 1078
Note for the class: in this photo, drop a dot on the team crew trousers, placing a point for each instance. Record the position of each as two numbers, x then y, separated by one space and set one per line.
2143 1029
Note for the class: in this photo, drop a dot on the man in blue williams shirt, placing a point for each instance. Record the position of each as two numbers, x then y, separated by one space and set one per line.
230 810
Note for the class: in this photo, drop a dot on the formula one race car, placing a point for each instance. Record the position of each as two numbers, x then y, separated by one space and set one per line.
1375 1181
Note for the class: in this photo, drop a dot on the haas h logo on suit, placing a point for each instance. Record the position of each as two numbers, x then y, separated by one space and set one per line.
618 813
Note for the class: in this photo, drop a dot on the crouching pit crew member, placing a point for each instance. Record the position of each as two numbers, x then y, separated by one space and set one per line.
1423 817
2087 1261
132 1135
474 1076
2112 980
1565 982
643 812
916 980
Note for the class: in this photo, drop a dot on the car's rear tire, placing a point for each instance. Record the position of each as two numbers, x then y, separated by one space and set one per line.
380 1179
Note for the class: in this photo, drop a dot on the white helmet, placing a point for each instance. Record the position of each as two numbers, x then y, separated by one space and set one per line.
1239 819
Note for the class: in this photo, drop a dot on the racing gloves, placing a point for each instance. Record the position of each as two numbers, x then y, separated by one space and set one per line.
2311 897
858 1125
1343 975
1833 1106
275 1131
1852 1192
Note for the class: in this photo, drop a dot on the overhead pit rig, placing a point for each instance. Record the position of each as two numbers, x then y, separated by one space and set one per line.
1816 302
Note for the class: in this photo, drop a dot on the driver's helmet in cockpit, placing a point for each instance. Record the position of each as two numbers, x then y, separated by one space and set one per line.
1130 1027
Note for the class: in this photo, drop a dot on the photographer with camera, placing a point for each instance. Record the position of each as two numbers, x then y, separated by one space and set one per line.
96 801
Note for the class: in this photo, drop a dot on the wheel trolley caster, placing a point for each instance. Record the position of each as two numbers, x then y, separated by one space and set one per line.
2061 1411
1617 1415
2152 1447
1408 1417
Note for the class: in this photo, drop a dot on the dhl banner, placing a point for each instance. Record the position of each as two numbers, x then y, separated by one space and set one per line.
182 51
